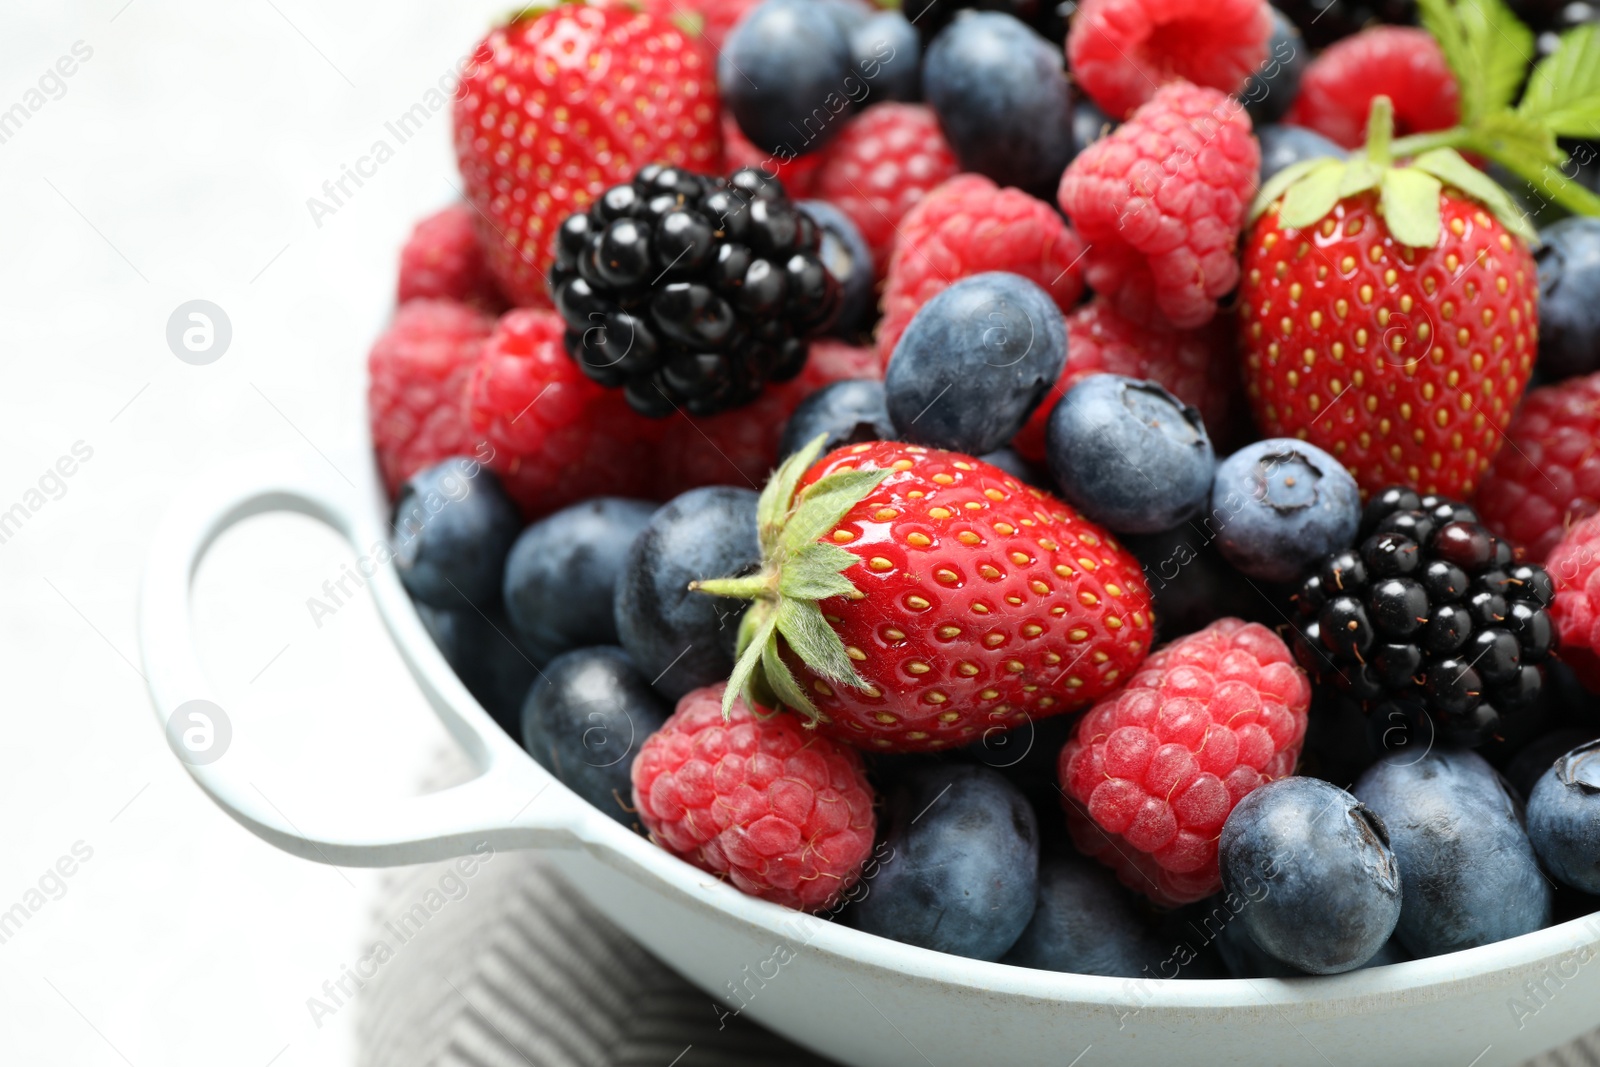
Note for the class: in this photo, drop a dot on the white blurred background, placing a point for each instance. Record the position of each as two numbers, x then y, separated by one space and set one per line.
174 163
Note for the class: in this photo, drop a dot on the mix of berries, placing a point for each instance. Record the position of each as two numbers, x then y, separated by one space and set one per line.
1004 474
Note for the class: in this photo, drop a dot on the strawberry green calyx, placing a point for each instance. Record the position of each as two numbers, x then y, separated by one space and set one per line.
1408 194
797 571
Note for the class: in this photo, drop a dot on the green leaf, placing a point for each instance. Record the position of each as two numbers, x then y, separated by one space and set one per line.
816 643
773 504
1486 47
1279 183
1517 136
1310 199
814 573
1410 205
1362 174
824 503
782 681
753 639
1564 91
1447 165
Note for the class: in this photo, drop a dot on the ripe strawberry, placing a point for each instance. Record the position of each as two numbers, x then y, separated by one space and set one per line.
1395 326
557 106
912 598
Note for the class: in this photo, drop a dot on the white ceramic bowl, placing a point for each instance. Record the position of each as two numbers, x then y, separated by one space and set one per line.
849 995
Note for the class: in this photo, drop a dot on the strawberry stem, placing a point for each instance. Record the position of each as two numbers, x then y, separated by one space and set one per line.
1380 131
750 587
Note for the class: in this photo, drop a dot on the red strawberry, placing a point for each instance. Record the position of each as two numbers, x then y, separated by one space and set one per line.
557 436
417 385
913 598
442 260
557 106
1393 327
740 447
1197 366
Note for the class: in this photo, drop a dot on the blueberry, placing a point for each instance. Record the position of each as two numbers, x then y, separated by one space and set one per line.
679 638
1569 297
1129 454
962 873
975 361
1332 884
1540 754
561 575
1008 460
1246 959
887 53
1284 145
584 719
1003 100
1089 124
849 412
453 525
1564 818
483 652
845 254
782 73
1280 505
1272 88
1469 875
1085 922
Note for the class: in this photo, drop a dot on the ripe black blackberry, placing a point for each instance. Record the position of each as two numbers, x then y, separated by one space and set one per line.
689 291
1430 618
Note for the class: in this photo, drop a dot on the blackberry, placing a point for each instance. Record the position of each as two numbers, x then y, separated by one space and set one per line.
1430 623
693 292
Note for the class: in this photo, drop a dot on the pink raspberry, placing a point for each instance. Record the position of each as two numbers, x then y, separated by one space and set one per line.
417 384
1153 770
880 166
1401 62
967 226
1549 477
1161 202
1574 566
1199 367
782 812
1121 50
442 260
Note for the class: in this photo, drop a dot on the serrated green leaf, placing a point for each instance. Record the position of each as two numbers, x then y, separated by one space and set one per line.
752 639
817 644
1409 201
1447 165
824 503
1564 91
1279 183
1361 174
782 681
1442 19
1508 134
1309 200
1486 47
813 573
773 504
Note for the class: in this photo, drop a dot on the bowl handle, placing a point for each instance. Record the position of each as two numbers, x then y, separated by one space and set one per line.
512 803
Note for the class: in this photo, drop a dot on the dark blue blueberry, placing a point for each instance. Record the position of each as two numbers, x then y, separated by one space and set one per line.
1564 818
1089 124
1469 876
845 254
887 52
1246 959
1332 884
1129 454
484 653
1280 505
1283 146
782 73
961 870
1003 100
584 719
849 412
1085 922
974 363
1569 298
679 638
452 527
561 575
1272 88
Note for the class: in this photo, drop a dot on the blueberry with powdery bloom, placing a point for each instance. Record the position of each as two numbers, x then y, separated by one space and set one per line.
1564 818
1280 505
783 72
847 412
1272 88
453 525
844 252
1085 922
1284 145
